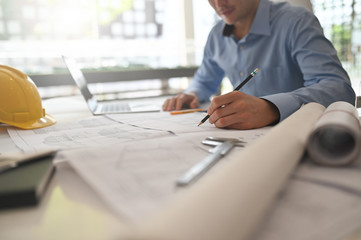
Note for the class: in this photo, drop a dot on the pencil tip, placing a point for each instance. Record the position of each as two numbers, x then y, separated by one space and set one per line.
199 124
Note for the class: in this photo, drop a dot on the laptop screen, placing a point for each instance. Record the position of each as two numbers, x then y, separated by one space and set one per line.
78 77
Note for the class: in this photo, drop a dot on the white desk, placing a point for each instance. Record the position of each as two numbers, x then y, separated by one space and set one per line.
70 209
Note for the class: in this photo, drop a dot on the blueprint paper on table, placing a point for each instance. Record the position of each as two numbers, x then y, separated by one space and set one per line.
93 131
104 130
137 178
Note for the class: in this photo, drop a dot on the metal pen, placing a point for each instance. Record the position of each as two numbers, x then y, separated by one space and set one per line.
200 168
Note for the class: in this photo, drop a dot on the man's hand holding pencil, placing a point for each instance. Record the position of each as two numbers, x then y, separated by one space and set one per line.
235 110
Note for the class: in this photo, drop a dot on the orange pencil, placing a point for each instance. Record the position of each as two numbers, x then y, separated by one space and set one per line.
187 111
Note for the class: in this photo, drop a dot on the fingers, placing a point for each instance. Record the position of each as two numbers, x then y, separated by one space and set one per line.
234 121
242 111
177 102
228 115
223 100
180 100
168 104
194 103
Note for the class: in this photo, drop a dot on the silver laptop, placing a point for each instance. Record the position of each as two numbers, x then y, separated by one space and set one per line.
107 107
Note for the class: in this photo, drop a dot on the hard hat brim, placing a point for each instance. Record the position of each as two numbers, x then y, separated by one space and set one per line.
45 121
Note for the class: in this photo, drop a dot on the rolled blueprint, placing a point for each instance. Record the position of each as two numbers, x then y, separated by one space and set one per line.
336 138
231 202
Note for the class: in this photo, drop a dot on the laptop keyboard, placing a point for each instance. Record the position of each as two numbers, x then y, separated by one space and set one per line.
110 107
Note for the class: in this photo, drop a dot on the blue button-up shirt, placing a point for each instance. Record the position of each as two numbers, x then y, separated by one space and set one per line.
297 63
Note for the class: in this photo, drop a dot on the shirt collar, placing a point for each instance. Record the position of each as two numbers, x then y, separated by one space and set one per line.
261 23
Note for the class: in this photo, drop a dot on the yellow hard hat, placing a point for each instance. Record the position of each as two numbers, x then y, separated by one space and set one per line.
20 102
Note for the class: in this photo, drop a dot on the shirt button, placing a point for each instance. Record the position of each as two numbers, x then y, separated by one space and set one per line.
241 74
241 48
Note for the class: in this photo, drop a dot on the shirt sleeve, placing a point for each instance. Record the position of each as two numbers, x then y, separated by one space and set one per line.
325 80
209 75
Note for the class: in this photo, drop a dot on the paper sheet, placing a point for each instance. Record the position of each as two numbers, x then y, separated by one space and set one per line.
230 203
93 131
318 202
183 123
104 130
136 179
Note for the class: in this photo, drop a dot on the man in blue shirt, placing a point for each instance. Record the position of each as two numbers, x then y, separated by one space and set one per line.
297 65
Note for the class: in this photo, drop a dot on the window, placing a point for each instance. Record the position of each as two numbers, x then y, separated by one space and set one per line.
103 35
341 20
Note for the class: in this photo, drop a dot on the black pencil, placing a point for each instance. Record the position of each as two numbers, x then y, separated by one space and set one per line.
236 89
